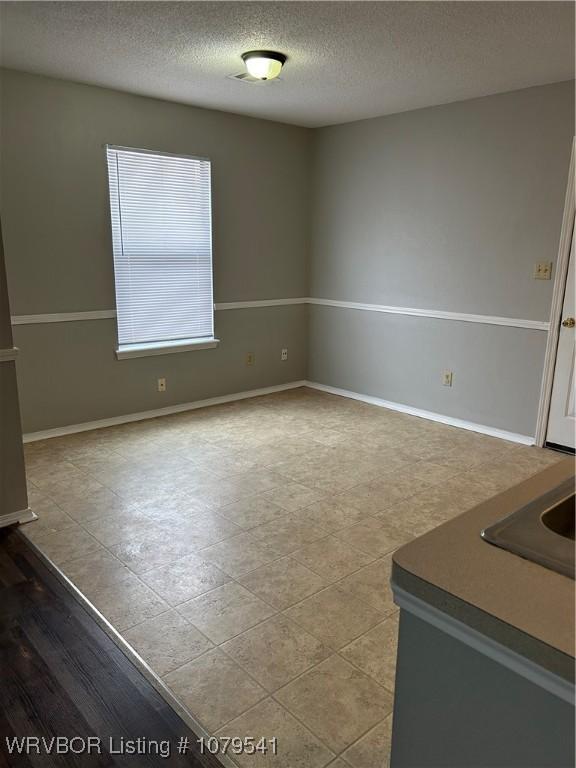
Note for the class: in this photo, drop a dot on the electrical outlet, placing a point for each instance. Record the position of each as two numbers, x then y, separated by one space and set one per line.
250 358
543 271
161 385
447 378
284 354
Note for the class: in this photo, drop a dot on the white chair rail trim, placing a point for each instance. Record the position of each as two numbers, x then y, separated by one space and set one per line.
438 314
64 317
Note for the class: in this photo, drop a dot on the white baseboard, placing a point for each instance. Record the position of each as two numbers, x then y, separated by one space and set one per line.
450 420
21 516
86 426
182 407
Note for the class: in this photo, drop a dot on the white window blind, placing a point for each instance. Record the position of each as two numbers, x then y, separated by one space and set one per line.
162 241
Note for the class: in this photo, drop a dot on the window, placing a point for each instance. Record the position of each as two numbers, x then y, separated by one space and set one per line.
162 241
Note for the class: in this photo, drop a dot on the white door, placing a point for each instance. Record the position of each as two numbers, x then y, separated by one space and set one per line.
562 418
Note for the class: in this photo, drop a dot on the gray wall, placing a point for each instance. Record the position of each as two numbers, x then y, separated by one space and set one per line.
59 256
445 208
13 494
401 358
68 373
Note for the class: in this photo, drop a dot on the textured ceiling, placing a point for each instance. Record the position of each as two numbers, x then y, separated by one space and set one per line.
347 60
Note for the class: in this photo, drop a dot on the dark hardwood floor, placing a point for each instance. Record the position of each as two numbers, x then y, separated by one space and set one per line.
61 675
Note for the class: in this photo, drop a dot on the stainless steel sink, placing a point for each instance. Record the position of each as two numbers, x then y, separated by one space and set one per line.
541 531
561 518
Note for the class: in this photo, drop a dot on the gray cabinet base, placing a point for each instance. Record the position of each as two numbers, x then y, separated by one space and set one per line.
457 708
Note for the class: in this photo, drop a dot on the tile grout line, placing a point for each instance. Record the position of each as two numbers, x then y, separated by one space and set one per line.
235 579
268 694
304 725
298 677
333 450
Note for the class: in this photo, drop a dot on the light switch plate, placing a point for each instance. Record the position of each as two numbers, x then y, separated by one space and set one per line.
543 271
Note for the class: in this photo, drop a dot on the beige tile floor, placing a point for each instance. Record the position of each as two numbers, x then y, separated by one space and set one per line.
244 551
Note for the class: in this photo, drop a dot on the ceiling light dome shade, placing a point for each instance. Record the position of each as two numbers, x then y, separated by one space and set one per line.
264 65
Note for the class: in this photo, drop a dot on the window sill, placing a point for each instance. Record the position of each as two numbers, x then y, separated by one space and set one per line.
164 347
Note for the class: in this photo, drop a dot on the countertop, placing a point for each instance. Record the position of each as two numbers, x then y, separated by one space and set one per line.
526 607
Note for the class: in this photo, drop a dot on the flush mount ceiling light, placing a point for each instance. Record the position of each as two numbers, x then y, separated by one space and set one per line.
264 65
